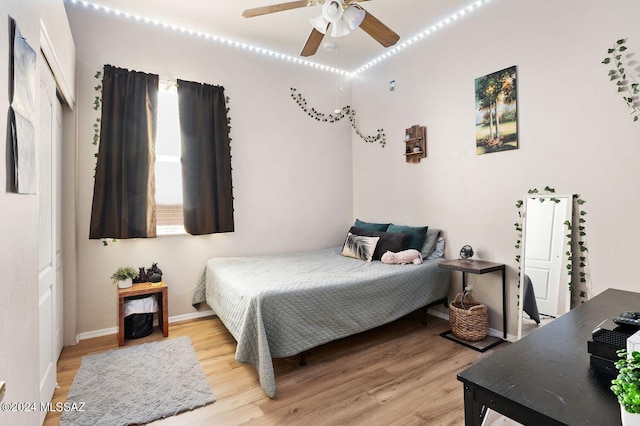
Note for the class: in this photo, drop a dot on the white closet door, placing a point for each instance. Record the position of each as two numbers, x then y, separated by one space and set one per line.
49 309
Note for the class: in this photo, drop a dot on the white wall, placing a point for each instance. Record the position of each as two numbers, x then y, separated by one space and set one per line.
19 222
291 174
18 251
575 135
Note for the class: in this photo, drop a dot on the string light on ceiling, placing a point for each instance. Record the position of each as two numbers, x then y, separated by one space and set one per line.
430 30
211 37
282 56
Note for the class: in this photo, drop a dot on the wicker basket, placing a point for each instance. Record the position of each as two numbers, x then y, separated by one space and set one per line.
469 320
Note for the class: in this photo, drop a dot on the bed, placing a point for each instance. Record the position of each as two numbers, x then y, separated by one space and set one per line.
281 305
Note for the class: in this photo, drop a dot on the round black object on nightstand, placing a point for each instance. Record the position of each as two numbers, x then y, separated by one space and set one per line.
466 253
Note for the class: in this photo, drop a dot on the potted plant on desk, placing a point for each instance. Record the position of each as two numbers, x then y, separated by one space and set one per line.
626 386
124 276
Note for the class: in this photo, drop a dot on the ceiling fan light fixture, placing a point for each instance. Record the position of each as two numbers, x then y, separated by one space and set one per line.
353 16
340 29
319 23
333 10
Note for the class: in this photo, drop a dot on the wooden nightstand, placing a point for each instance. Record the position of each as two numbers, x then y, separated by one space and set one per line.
479 267
142 289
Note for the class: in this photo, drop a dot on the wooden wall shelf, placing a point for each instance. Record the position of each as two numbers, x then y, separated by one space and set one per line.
415 144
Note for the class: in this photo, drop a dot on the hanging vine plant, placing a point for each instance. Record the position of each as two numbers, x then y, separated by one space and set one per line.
626 84
576 253
346 111
97 106
580 250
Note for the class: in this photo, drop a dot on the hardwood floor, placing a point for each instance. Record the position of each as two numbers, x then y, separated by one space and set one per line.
402 373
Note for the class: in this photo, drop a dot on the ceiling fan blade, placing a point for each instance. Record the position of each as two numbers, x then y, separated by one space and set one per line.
379 31
313 42
264 10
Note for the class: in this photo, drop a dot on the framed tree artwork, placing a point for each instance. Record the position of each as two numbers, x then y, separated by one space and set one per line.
496 111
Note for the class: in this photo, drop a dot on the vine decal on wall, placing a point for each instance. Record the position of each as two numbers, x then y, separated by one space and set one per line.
576 253
346 111
625 82
580 250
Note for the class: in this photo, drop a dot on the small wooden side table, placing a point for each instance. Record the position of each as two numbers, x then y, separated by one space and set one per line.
479 267
141 289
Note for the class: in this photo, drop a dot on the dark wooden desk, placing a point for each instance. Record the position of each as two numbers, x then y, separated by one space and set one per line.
479 267
545 378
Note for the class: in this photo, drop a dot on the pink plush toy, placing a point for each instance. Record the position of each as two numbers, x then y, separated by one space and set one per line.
402 257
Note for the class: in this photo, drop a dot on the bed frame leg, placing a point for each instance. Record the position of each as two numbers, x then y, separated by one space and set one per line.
303 359
424 309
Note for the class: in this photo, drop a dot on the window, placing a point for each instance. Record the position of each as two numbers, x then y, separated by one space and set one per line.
126 189
169 216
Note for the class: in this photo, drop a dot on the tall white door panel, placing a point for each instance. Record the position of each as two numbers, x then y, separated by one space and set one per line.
50 297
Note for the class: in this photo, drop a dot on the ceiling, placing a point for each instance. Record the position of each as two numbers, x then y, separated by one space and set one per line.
286 32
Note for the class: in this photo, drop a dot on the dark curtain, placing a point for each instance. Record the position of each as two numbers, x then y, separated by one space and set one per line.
206 159
124 190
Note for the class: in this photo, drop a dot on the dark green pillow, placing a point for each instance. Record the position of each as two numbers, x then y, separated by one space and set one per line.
369 226
418 234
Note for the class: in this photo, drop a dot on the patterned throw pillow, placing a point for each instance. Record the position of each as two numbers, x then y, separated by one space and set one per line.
359 247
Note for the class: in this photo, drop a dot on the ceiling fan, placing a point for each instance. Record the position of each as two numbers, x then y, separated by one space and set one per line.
345 15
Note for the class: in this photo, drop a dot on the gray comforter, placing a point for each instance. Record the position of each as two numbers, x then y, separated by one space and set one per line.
281 305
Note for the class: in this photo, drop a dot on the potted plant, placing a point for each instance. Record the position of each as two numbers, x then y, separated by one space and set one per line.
124 276
626 386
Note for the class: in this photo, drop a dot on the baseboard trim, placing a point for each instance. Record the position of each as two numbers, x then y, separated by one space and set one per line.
96 333
438 314
114 330
191 316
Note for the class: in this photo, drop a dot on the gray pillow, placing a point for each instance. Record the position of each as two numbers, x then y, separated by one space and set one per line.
438 252
430 242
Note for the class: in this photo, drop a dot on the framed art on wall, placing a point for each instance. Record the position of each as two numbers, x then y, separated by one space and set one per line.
21 112
496 111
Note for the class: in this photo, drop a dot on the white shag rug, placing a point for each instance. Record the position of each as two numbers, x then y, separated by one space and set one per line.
137 385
